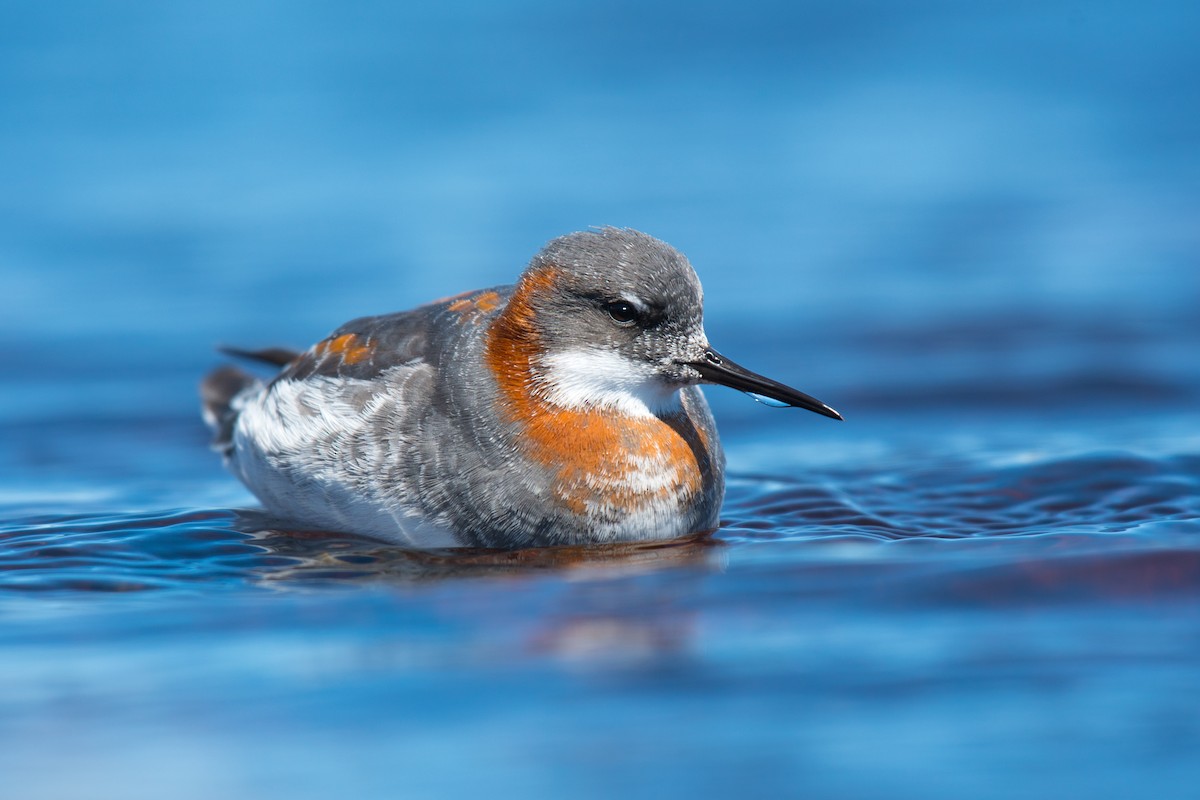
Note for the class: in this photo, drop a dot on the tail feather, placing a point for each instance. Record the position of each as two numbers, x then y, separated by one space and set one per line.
275 356
217 393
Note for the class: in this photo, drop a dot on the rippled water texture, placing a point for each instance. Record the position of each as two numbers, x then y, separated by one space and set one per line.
971 230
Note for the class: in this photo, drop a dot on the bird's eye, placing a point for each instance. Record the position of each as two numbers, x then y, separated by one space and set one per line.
623 313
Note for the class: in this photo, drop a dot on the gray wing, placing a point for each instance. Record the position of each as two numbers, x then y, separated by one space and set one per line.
362 348
358 432
365 347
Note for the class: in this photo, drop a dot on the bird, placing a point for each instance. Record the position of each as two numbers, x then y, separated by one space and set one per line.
562 410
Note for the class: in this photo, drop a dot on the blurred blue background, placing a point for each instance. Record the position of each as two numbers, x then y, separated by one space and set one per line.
972 228
1000 180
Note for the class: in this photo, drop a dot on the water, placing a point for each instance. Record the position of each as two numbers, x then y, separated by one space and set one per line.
970 230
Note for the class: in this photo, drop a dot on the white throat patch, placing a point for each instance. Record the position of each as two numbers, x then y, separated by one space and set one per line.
593 378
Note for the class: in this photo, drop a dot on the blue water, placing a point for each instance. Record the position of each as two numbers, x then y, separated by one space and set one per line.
969 227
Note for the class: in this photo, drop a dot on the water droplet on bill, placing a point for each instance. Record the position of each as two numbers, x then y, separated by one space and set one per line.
769 401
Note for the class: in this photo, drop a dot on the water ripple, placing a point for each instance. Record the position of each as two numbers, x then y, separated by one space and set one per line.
1096 493
1146 509
126 552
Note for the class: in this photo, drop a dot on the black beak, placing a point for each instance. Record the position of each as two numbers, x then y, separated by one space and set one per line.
716 368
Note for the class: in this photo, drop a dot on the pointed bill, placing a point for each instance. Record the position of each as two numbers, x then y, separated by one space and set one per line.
716 368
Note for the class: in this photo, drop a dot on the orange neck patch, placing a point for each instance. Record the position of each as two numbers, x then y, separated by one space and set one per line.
601 458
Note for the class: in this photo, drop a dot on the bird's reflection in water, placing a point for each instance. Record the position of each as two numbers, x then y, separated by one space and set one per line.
607 605
320 556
